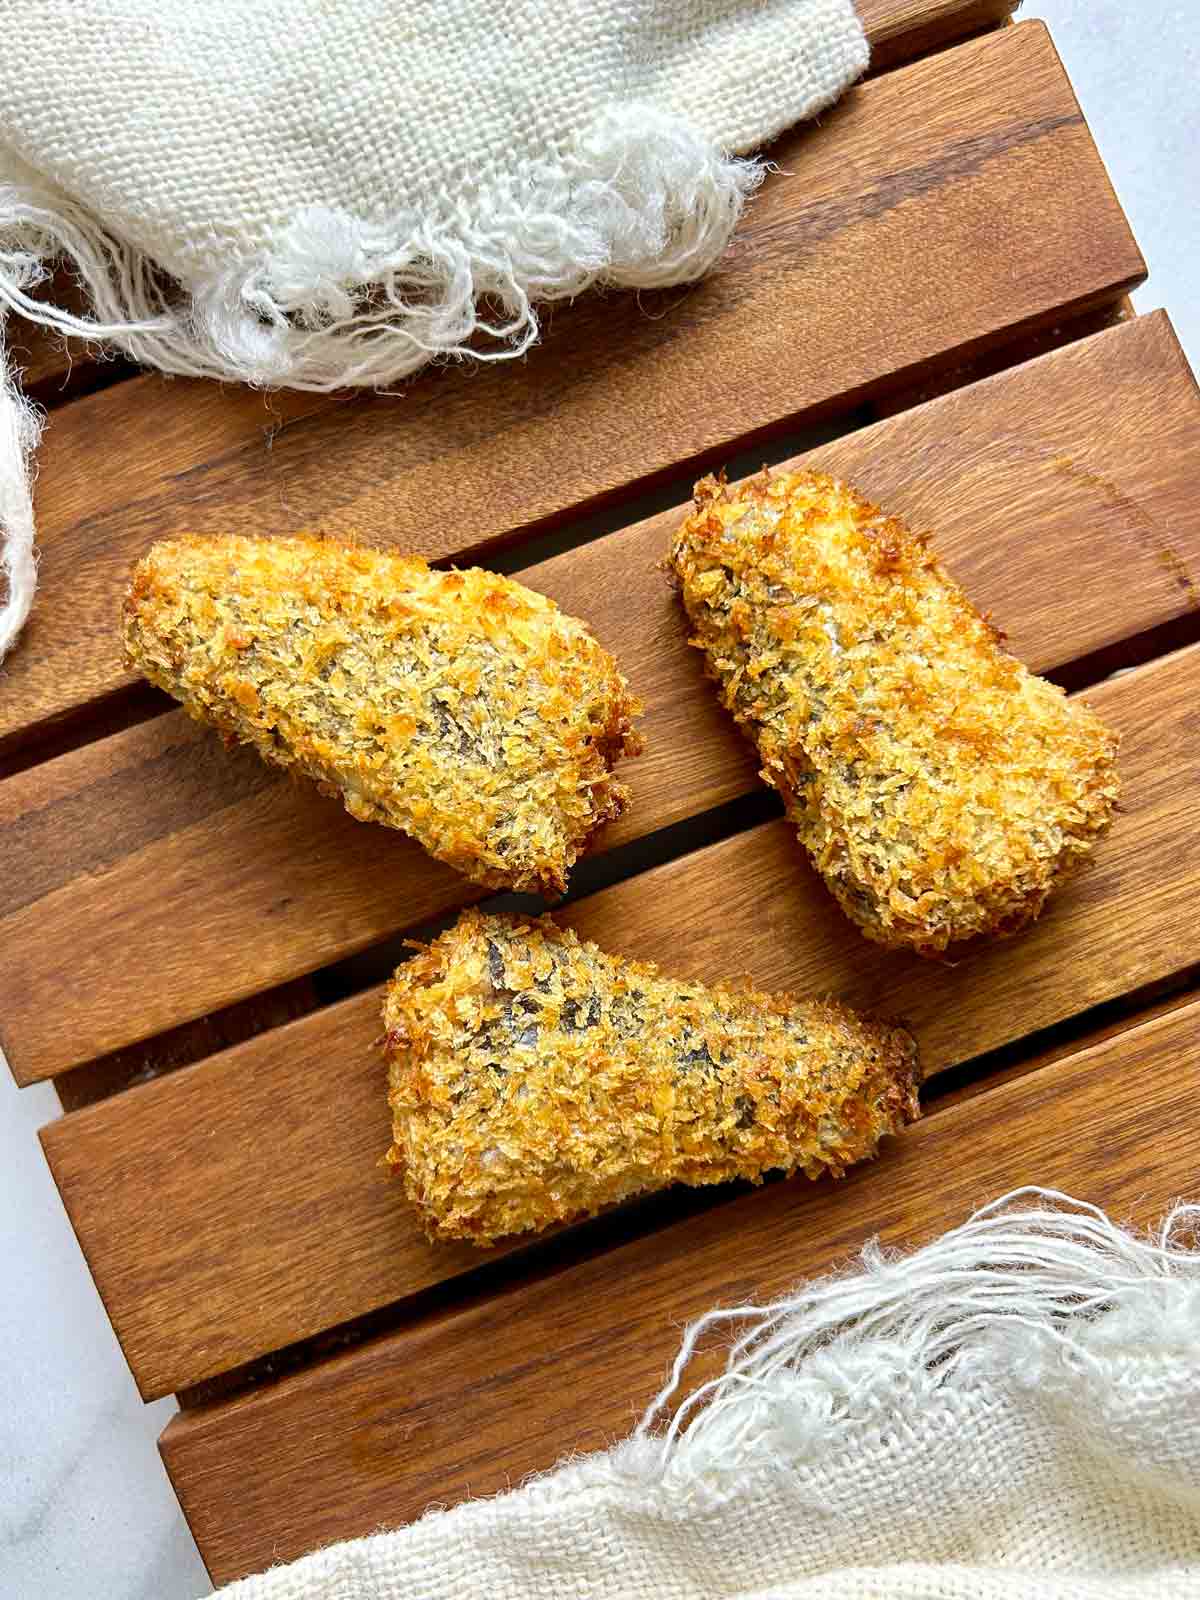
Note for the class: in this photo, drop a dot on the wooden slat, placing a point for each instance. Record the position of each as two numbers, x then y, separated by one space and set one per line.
1063 494
193 1041
289 1127
1093 1028
469 1402
1038 343
901 29
937 210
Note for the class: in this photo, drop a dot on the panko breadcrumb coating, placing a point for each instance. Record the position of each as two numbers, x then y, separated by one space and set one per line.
534 1079
460 707
941 788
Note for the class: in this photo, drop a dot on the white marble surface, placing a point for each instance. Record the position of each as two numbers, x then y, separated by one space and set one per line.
85 1508
1135 65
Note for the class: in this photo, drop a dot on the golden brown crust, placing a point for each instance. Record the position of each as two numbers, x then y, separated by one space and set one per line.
533 1079
941 788
460 707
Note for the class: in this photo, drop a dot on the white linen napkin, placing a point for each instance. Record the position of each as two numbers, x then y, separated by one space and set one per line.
321 193
1010 1413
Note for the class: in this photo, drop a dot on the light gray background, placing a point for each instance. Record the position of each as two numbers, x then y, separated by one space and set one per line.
85 1509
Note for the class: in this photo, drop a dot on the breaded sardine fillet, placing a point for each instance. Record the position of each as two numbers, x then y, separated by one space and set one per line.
941 788
460 707
533 1079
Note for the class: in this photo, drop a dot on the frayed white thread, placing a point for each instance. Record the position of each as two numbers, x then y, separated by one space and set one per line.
20 429
1040 1295
640 201
1036 1289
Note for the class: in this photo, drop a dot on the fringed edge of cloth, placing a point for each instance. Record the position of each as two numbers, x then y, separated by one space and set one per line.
640 201
1036 1291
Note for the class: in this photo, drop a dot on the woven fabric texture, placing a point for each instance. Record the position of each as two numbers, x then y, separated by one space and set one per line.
200 132
1011 1413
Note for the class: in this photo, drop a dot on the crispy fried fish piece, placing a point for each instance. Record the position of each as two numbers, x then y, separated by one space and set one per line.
533 1079
460 707
940 787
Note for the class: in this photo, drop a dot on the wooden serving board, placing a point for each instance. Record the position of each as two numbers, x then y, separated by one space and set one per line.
927 299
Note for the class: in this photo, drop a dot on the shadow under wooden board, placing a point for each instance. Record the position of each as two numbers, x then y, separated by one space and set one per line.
265 1159
469 1402
1062 493
936 211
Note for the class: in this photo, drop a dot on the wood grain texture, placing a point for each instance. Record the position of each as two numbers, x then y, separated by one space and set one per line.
289 1127
935 211
1062 493
469 1402
901 29
1076 1034
1038 343
192 1041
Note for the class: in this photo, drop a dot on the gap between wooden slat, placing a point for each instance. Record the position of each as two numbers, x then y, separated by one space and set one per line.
205 1036
806 439
1091 1027
54 371
476 1398
190 1042
1039 343
289 1126
115 713
901 29
937 211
